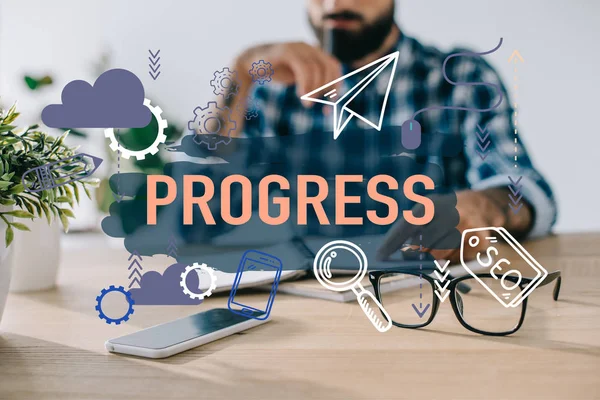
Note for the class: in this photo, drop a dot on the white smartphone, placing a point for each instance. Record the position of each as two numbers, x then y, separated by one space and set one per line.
174 337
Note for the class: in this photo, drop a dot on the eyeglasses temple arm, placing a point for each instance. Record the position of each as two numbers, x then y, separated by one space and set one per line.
549 279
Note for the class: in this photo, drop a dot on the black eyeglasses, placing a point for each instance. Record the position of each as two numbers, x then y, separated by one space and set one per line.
413 304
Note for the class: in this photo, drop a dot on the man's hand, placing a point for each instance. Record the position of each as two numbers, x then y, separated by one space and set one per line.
476 209
306 66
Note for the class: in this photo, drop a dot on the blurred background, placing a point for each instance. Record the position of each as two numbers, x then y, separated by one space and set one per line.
74 39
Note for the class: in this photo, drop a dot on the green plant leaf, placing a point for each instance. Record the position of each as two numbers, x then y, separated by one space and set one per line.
6 128
20 214
29 207
9 236
77 133
64 199
38 208
11 118
25 149
76 191
12 109
7 202
31 83
92 182
46 212
69 195
7 176
20 226
19 188
64 221
67 212
58 142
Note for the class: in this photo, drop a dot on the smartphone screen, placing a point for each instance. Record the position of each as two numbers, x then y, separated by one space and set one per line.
255 261
181 330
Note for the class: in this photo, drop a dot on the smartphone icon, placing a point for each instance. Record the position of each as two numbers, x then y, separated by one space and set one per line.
255 261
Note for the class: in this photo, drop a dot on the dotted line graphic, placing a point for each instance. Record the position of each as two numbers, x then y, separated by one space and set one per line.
420 310
421 272
516 115
515 57
118 166
515 195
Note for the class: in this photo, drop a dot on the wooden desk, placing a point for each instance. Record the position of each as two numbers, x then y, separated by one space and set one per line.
52 345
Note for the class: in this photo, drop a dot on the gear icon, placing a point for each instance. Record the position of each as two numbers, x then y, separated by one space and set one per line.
208 123
250 110
225 83
202 267
153 148
261 72
128 297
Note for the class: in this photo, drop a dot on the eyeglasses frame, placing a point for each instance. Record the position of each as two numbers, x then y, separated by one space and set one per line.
455 284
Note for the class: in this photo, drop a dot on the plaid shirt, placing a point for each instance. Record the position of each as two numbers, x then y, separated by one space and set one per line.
419 83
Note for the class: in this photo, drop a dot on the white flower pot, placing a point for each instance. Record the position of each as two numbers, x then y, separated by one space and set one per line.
5 264
36 256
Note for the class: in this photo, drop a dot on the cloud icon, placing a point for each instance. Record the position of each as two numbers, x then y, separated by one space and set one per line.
165 290
116 100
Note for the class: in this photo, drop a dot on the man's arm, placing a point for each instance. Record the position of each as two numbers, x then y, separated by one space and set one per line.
486 202
507 171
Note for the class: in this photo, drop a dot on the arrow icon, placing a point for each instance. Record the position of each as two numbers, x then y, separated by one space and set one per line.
515 184
442 288
442 297
516 56
442 294
135 271
136 264
118 197
484 130
442 278
172 248
515 199
154 76
154 59
483 148
442 269
420 311
154 62
482 141
136 280
135 253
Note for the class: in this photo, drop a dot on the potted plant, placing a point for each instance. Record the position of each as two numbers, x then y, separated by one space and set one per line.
19 152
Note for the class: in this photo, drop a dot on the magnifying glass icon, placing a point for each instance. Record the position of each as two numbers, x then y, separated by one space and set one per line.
366 299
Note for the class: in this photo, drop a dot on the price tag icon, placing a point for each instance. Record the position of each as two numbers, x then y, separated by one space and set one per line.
498 261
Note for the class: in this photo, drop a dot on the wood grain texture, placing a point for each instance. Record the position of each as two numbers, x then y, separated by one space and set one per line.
52 344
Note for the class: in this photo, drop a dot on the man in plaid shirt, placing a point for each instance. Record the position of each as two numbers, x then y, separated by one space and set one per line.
355 33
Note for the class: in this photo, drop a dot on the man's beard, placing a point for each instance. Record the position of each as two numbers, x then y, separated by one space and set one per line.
348 46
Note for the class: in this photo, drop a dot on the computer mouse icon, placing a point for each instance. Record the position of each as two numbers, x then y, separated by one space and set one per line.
411 134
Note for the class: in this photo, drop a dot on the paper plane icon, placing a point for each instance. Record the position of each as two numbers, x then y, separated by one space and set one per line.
343 102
